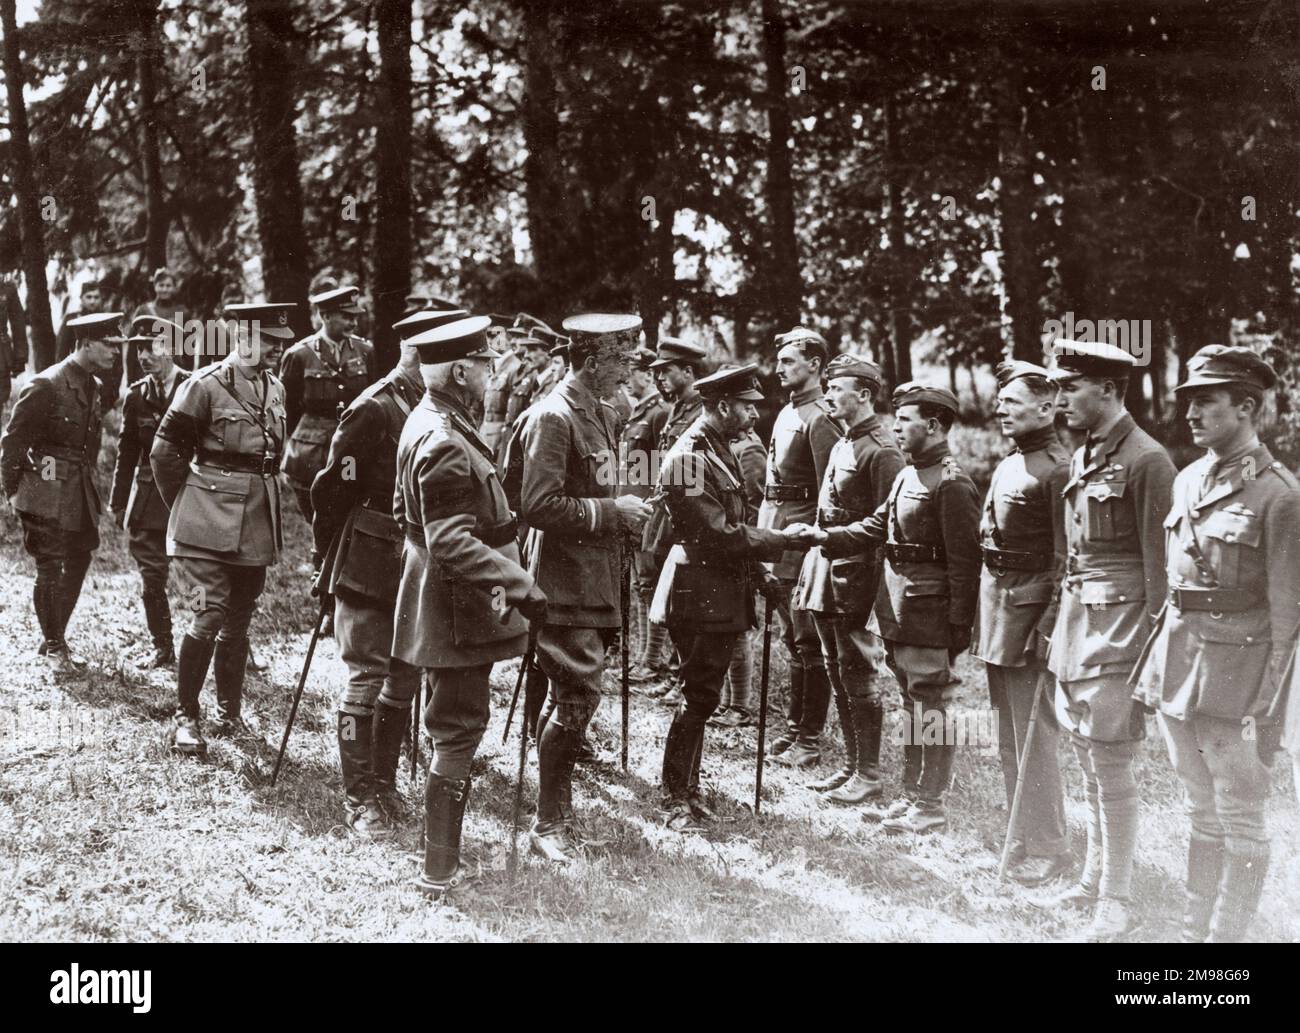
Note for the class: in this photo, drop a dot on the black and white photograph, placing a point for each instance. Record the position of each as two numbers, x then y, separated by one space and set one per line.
614 471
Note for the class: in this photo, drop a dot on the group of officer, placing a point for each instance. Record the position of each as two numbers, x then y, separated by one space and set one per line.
475 503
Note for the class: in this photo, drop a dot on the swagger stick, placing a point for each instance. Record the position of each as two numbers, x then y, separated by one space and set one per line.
762 701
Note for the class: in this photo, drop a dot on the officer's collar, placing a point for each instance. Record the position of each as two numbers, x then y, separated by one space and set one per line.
1221 464
808 394
863 427
1036 440
454 404
928 457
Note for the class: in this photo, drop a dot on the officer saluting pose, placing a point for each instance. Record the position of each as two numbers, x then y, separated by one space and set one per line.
1213 670
135 501
562 464
1115 503
802 439
840 593
464 597
706 591
216 461
47 460
352 498
928 528
321 373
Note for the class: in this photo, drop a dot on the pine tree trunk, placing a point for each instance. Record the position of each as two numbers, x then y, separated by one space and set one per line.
392 240
1016 202
155 202
786 298
542 169
900 333
29 210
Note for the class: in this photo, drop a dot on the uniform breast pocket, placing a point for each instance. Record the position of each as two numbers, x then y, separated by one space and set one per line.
233 430
1232 538
1105 511
321 389
913 510
601 469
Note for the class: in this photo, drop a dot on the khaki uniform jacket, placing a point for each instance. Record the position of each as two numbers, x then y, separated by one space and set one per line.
860 470
215 459
522 385
352 497
709 578
496 399
133 488
932 504
461 577
751 454
314 388
1245 530
640 460
562 465
657 535
1114 586
802 438
1024 521
51 447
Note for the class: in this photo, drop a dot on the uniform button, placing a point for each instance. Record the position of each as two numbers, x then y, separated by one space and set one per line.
1123 598
1250 638
1078 519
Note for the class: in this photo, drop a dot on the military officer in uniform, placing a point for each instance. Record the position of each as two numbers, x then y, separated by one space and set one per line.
322 374
676 366
840 593
640 465
464 598
1213 670
47 462
562 465
802 439
13 337
352 499
928 526
524 381
496 399
215 462
1116 500
706 592
94 299
1022 537
135 502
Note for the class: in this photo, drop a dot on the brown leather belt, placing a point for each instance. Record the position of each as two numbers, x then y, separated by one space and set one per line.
68 455
1215 600
494 537
787 493
264 464
1011 559
908 552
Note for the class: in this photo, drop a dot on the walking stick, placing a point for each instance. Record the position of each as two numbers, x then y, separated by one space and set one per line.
524 664
302 681
417 708
762 701
523 753
625 602
1013 818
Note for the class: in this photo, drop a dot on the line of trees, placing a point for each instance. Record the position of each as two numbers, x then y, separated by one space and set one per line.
929 181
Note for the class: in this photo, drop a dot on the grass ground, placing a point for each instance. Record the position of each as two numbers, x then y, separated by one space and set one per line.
104 835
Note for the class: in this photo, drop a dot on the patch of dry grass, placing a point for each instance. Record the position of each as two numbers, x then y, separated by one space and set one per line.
104 835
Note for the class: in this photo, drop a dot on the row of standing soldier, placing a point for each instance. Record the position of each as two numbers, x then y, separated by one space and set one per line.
1062 578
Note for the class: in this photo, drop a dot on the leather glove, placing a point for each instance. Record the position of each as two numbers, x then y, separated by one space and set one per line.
533 606
958 640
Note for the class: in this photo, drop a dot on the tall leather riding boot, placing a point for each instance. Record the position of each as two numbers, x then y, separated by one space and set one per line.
557 752
536 686
794 712
390 727
936 772
361 806
843 709
679 755
228 666
913 755
158 618
816 701
191 672
45 601
74 573
444 814
867 719
1244 870
1205 857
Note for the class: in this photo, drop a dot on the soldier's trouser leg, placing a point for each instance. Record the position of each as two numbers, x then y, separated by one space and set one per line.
303 495
226 596
825 625
647 566
536 689
45 542
1226 786
740 674
1113 813
928 688
572 659
75 565
1042 826
456 718
149 550
704 660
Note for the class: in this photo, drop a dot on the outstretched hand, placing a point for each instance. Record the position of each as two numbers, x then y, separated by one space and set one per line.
804 535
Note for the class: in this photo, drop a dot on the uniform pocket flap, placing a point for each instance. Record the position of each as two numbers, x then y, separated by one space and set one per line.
312 433
1237 528
1101 491
1027 595
1246 630
234 484
377 525
920 588
1106 593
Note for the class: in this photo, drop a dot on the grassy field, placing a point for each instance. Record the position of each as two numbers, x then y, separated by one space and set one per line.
104 835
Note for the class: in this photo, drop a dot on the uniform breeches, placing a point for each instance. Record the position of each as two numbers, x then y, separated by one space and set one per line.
363 630
62 558
456 717
925 680
149 550
223 597
573 660
850 652
705 659
1225 781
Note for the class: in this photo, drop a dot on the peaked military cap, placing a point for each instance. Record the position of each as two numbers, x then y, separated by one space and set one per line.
592 327
98 326
737 382
340 299
526 337
1218 364
643 358
1017 369
914 393
498 320
272 317
805 336
855 366
417 322
461 339
424 300
524 321
145 329
1090 359
672 349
